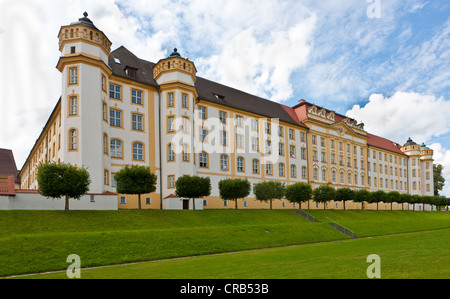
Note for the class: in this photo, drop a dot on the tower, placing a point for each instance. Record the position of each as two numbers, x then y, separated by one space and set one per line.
84 67
176 78
420 168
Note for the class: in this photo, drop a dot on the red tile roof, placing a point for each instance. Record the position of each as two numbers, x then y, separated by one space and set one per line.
384 143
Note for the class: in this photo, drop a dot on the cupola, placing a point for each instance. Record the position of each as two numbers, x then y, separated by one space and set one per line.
175 68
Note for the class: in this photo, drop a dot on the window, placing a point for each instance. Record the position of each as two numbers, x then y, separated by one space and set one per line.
103 81
170 152
115 148
280 131
293 171
281 149
171 181
202 134
292 135
223 138
333 176
268 129
73 105
281 169
268 146
313 139
254 124
292 151
255 166
239 141
138 151
73 75
170 100
324 175
303 172
302 136
123 200
255 144
239 121
202 112
322 141
223 117
185 152
113 180
105 143
115 118
106 177
269 168
137 122
224 162
115 91
315 174
136 96
240 164
184 101
73 140
303 153
148 200
171 124
105 113
185 125
203 160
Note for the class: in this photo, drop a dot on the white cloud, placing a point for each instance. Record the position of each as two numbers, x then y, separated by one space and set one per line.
403 115
442 156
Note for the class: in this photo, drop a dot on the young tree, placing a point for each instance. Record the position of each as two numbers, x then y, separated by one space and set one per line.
404 198
233 189
362 196
193 187
344 194
378 196
268 191
298 193
135 180
392 196
438 178
324 194
57 180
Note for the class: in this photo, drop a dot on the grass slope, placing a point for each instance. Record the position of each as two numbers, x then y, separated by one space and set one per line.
36 241
416 255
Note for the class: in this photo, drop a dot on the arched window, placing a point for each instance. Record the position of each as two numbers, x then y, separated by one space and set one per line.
255 165
115 148
105 143
303 172
170 152
293 171
73 140
138 151
240 164
224 162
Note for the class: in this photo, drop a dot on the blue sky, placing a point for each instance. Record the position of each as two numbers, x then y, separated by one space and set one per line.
384 62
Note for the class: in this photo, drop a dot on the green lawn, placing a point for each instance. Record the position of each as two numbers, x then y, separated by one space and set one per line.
37 241
419 255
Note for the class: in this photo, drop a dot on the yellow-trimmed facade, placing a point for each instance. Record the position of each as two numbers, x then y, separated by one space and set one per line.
157 117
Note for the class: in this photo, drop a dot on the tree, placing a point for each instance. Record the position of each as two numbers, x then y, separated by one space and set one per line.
378 196
404 198
61 179
392 196
344 194
135 180
361 196
233 189
268 191
193 187
438 178
298 193
324 194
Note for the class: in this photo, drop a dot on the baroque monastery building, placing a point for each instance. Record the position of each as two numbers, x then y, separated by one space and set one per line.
117 109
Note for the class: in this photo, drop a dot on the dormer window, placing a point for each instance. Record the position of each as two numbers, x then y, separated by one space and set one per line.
219 97
131 71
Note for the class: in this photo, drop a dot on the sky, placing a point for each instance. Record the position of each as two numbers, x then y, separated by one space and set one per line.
385 63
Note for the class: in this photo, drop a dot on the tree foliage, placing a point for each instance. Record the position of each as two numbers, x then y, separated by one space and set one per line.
298 193
438 178
62 179
344 194
233 189
268 191
362 196
193 187
324 194
135 180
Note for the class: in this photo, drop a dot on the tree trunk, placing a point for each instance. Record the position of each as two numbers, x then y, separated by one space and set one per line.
344 204
193 203
236 203
139 201
271 204
67 203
